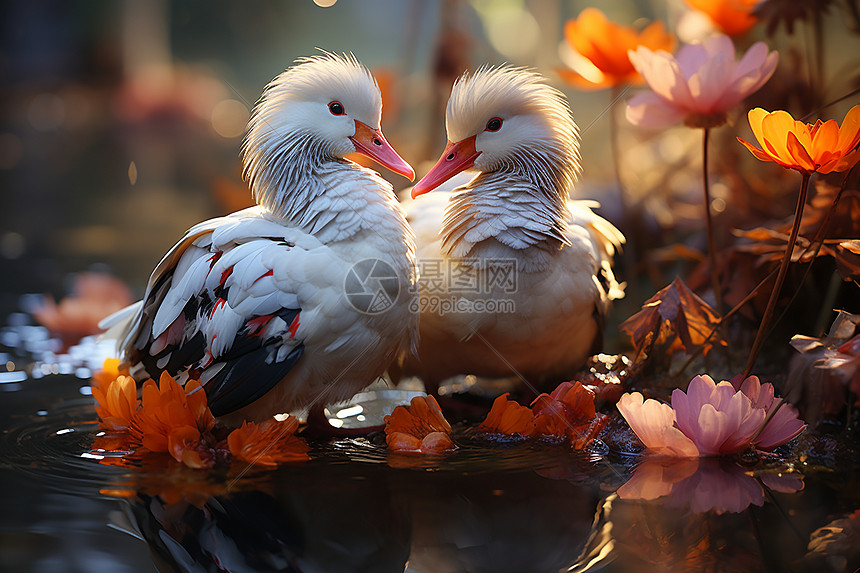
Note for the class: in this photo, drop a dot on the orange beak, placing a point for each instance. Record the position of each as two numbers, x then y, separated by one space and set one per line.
371 143
457 157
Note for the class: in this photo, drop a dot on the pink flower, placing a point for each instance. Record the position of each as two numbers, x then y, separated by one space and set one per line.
718 419
781 423
712 419
698 86
654 424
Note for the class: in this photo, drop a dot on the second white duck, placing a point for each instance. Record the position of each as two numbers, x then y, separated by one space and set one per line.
515 277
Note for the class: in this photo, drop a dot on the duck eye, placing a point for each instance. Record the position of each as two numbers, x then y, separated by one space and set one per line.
494 124
336 108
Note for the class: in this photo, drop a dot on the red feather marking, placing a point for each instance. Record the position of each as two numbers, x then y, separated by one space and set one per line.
218 303
257 325
268 273
294 326
224 275
214 258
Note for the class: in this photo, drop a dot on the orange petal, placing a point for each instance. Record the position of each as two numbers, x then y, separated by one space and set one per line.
756 117
824 141
401 442
269 443
656 37
847 162
508 417
849 133
775 127
436 442
758 153
181 439
800 154
581 82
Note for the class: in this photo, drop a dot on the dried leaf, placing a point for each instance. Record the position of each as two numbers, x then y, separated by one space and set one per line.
848 259
679 310
824 367
845 220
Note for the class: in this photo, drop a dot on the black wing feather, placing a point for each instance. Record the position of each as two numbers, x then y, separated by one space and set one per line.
245 379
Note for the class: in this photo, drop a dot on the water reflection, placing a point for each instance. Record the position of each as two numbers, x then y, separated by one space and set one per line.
376 520
705 484
286 523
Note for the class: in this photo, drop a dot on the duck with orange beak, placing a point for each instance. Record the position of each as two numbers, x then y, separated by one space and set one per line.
515 277
280 306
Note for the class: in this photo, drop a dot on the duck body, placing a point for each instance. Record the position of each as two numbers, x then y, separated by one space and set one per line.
267 307
501 307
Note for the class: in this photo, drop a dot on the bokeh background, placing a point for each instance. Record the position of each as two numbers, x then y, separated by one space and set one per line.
121 121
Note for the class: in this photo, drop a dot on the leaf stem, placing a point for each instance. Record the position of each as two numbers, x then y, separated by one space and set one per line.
780 277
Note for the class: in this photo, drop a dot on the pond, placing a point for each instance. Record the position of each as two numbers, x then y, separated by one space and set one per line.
489 506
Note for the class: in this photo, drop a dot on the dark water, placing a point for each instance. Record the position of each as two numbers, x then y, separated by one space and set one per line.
489 507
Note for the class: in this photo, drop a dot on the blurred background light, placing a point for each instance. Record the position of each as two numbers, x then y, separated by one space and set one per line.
229 118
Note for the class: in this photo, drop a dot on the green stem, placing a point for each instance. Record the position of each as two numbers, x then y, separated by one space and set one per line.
709 226
780 277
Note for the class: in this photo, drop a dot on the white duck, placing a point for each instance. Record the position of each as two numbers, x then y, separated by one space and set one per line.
255 304
519 278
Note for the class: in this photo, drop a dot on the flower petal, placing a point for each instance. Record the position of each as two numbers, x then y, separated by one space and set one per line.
508 417
783 426
846 163
825 141
652 422
756 117
650 110
663 74
750 74
711 431
708 84
775 128
801 156
849 133
758 153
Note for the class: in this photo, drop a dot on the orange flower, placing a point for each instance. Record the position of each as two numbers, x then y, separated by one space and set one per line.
172 418
823 147
568 413
508 417
109 372
419 427
732 17
116 401
605 44
268 443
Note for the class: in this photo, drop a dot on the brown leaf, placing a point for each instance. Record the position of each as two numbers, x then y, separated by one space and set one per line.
845 220
848 259
682 312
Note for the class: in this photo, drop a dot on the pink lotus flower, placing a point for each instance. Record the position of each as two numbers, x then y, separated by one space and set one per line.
712 419
698 86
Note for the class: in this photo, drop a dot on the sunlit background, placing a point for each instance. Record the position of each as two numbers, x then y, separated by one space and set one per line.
122 121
